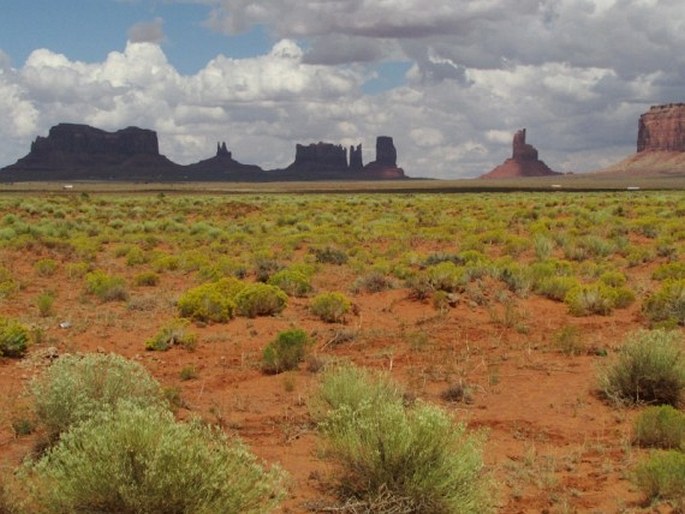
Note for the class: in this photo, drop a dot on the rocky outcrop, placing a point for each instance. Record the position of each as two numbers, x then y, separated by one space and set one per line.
662 129
356 162
524 161
385 165
319 157
73 151
81 152
660 145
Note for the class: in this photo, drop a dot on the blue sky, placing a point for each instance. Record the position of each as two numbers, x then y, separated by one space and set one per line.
451 83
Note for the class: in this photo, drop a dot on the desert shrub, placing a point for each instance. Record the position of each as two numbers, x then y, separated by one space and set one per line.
76 269
662 476
597 298
286 351
146 278
373 282
331 307
413 458
294 283
330 255
419 286
568 341
14 338
650 369
672 271
213 301
75 387
613 278
543 246
555 287
660 427
446 276
45 302
136 256
163 262
264 268
137 458
45 267
174 333
516 277
667 304
106 287
8 285
260 300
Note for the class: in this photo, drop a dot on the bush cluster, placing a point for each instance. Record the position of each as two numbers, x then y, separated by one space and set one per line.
260 300
650 368
106 287
213 301
117 448
660 426
412 459
667 305
331 307
286 351
175 333
293 282
14 338
597 298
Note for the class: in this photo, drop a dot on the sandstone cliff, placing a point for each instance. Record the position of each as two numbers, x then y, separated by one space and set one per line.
524 161
660 144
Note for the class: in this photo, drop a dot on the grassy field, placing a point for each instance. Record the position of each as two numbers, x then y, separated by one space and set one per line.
495 315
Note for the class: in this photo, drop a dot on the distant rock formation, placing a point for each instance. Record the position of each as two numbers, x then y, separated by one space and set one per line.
73 151
524 162
662 129
385 165
319 157
80 152
660 144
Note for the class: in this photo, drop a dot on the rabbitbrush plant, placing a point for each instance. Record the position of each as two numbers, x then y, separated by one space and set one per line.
650 368
76 387
409 459
138 459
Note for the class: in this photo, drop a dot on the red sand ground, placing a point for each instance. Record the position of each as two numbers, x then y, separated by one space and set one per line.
552 445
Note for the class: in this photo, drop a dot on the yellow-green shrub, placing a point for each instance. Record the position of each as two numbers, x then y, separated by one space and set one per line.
213 301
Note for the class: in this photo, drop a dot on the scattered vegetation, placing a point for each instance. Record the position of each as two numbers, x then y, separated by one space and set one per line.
106 287
286 351
174 333
14 338
650 368
660 426
331 307
406 458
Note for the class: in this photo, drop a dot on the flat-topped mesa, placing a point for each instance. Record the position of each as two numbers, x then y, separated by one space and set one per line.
319 156
524 161
662 129
84 140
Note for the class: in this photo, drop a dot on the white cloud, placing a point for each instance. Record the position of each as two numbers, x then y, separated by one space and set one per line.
576 73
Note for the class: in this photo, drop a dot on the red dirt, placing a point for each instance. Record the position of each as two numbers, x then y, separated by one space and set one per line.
552 445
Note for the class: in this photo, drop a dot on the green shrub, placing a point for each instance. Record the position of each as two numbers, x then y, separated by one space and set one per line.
213 301
75 387
662 476
107 288
447 276
139 459
555 287
331 307
45 302
294 283
568 340
136 256
260 300
8 286
146 278
660 427
14 338
667 304
45 267
286 351
650 369
597 298
409 459
329 255
670 271
174 333
373 282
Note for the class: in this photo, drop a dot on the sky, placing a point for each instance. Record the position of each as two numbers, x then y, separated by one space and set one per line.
449 80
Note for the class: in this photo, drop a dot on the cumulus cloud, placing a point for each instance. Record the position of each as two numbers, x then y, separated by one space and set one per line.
575 73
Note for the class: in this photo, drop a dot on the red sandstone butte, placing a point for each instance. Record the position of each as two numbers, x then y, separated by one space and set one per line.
524 162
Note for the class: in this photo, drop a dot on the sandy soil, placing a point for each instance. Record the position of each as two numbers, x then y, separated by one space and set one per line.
552 445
